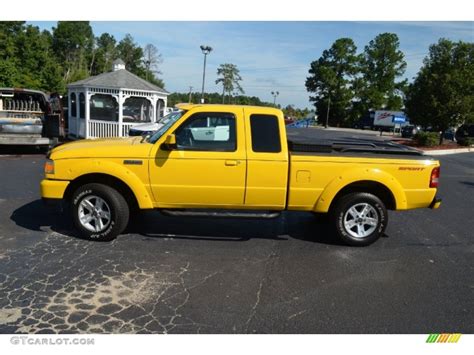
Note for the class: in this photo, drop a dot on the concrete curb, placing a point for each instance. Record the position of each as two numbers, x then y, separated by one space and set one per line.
448 151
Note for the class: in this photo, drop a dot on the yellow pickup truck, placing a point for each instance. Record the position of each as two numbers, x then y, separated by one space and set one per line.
236 161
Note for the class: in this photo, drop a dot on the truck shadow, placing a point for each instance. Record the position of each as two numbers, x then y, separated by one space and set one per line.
22 150
152 224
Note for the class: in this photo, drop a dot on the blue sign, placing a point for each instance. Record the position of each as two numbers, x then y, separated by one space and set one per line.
399 119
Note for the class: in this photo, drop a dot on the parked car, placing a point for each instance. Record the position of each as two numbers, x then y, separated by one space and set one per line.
464 132
450 134
145 129
410 131
236 161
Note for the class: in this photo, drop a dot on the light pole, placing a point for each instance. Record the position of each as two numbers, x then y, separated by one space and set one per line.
190 93
327 113
275 94
205 50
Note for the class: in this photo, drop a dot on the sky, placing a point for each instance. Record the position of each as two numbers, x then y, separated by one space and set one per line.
271 56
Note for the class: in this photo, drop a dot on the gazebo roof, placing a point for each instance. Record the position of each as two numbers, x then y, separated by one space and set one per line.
118 79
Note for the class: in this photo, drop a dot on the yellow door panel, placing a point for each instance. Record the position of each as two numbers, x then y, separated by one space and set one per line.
267 164
201 171
183 179
266 183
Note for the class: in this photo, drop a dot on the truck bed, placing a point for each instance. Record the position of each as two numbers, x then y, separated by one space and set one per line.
350 146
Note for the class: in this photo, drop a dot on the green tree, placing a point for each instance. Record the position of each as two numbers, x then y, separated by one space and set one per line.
381 64
106 53
26 59
73 43
442 94
9 67
230 79
330 80
131 53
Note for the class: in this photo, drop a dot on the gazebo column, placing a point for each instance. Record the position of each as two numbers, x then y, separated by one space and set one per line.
87 113
154 110
120 110
78 114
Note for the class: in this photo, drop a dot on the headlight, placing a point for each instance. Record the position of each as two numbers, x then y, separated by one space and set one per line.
49 166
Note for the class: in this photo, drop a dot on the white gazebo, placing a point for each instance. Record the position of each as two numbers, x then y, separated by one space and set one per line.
107 105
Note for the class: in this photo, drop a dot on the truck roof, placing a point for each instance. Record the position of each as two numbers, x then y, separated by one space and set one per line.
187 107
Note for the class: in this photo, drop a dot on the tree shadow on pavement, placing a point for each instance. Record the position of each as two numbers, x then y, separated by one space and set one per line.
152 224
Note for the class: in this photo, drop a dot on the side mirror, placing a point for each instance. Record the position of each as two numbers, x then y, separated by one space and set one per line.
170 142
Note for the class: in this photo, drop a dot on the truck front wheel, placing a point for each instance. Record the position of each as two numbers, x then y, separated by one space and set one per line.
99 212
360 218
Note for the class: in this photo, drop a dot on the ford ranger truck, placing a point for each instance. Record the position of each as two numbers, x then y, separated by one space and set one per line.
236 161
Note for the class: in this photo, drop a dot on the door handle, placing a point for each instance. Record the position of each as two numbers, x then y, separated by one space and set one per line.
232 162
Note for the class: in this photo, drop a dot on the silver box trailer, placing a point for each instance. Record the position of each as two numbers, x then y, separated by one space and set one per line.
29 117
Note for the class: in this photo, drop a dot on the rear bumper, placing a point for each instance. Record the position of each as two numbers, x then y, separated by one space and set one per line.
435 203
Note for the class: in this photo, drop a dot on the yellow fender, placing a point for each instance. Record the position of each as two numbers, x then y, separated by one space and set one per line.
117 171
363 174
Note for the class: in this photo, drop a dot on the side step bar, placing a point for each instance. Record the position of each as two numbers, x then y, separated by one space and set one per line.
221 213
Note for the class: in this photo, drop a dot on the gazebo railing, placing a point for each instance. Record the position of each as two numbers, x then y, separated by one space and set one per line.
105 129
126 127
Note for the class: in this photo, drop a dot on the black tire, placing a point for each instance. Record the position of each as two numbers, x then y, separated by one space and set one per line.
113 218
349 210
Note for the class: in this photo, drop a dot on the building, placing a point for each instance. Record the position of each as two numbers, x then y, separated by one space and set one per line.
107 105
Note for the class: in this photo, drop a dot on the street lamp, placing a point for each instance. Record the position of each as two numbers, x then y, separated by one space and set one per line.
275 94
327 112
205 50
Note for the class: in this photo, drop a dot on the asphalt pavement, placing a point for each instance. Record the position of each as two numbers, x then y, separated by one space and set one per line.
198 275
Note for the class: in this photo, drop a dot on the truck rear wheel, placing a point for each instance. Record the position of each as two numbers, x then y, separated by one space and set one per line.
99 212
360 218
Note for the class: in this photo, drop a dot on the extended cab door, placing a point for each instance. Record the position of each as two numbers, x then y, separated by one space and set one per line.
208 166
267 160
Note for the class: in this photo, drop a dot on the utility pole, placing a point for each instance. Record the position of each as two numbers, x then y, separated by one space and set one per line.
327 113
205 50
190 93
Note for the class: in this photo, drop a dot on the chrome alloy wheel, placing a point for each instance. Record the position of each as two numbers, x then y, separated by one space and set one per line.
94 213
361 220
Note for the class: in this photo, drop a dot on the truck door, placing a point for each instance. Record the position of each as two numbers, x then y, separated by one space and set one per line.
267 161
208 166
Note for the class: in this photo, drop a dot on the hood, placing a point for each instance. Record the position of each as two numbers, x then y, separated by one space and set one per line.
134 147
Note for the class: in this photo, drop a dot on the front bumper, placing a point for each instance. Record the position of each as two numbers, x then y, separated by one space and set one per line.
53 189
435 203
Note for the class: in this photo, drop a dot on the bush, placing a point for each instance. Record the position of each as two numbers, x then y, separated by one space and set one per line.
426 139
466 142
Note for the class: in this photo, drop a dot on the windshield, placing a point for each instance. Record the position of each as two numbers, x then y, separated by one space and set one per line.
168 121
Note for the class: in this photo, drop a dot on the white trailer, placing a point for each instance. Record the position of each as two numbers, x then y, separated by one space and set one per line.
390 119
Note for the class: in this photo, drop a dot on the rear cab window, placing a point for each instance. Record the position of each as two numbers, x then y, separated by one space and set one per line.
265 133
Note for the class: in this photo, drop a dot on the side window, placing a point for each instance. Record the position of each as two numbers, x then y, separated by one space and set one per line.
208 132
82 105
73 105
265 134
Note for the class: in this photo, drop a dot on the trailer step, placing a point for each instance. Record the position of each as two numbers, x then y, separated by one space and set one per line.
221 213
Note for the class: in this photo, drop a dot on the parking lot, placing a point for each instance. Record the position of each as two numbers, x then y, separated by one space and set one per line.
198 275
